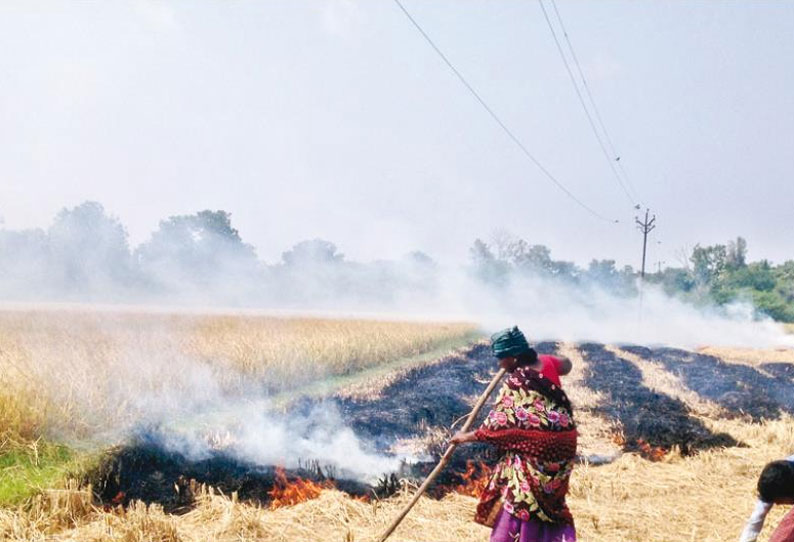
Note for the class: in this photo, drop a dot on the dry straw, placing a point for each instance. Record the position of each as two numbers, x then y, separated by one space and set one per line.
705 497
70 373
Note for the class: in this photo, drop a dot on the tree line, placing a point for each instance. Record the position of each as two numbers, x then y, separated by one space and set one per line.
85 255
721 274
714 274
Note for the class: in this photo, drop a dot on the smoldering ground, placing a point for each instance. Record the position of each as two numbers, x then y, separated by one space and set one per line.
425 402
136 383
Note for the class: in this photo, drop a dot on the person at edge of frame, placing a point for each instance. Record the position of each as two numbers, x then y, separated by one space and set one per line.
775 486
532 425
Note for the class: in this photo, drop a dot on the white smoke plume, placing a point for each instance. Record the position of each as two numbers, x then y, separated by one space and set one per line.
198 406
551 310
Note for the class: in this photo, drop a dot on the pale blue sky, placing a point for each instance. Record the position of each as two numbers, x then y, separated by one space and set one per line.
335 119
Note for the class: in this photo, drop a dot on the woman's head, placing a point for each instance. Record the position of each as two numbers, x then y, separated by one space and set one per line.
512 349
511 363
776 483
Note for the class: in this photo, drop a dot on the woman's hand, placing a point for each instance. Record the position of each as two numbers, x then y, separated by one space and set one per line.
460 437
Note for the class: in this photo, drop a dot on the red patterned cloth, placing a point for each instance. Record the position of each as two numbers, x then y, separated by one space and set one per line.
532 425
785 529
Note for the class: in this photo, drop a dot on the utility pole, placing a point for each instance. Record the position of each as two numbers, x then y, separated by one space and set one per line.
645 227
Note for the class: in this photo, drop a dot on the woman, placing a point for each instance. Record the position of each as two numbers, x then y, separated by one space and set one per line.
532 425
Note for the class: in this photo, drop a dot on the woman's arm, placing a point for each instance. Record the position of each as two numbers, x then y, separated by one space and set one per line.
460 437
564 366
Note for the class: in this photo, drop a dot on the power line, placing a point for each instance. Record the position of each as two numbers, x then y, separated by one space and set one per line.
613 150
496 118
611 160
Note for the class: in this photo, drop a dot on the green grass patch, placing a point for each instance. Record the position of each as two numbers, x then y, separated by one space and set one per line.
27 469
789 328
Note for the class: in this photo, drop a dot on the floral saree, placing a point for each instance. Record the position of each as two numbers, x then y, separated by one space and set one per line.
532 425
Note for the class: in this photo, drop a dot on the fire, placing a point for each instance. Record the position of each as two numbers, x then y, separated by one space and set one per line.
654 453
286 493
643 447
474 479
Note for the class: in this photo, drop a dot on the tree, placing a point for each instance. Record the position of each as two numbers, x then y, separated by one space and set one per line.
564 270
708 262
485 266
737 253
784 276
88 250
312 253
603 273
417 258
197 250
535 259
675 280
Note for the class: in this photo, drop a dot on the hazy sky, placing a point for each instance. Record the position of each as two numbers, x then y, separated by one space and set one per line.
334 119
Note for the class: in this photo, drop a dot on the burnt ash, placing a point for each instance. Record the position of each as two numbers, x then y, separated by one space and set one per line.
433 396
739 389
427 400
648 418
144 470
780 370
429 396
478 454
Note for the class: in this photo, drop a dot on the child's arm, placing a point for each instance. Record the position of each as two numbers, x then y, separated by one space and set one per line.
756 522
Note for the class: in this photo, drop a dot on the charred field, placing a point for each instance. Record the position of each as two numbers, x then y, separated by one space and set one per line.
660 429
419 408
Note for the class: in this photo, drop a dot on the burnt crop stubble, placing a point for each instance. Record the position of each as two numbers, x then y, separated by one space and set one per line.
705 484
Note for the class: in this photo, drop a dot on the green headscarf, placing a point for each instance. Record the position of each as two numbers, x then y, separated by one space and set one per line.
509 343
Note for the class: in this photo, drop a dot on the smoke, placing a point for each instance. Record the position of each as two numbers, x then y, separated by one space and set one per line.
552 310
115 374
107 378
200 260
250 430
138 374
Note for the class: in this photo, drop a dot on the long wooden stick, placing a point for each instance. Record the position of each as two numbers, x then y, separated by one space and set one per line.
445 458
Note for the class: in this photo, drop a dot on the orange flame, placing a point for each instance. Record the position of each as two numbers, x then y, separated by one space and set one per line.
653 453
642 446
474 479
286 493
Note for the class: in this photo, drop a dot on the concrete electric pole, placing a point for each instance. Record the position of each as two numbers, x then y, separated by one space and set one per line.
645 227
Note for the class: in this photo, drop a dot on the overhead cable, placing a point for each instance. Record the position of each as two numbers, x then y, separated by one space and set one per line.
613 150
611 160
499 121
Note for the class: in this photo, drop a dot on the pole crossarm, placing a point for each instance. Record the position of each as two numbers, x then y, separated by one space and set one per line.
645 226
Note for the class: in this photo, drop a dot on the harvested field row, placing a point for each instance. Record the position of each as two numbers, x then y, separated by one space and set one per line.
651 422
737 388
627 402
